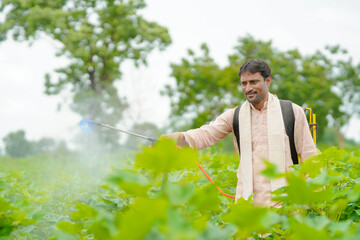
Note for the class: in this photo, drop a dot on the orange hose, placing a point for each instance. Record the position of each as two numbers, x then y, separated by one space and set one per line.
209 178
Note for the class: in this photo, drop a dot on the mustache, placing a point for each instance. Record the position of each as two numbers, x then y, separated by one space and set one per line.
250 92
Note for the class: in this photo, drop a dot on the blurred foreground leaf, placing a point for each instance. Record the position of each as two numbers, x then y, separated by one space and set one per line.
164 157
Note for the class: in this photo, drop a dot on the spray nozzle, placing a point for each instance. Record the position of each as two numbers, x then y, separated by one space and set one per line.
86 125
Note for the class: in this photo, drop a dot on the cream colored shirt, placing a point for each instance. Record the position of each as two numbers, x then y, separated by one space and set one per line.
210 134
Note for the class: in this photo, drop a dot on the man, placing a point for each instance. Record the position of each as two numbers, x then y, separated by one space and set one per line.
262 134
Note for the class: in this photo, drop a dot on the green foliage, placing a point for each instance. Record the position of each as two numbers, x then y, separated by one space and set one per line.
168 198
158 200
11 218
96 37
250 219
204 89
44 190
149 211
321 200
12 215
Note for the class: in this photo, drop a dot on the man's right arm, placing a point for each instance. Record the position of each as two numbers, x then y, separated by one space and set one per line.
206 135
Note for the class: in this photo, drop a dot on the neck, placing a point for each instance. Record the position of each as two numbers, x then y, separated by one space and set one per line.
260 105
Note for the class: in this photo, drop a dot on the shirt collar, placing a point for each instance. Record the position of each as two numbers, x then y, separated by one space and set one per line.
263 109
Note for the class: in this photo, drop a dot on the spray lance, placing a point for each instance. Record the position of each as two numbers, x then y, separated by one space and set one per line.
87 126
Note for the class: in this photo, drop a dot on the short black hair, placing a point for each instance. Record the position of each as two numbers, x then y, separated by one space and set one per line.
254 66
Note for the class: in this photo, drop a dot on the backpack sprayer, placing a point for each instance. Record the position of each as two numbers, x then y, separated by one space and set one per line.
87 126
312 124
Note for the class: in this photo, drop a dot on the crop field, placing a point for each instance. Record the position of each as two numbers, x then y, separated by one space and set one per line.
160 193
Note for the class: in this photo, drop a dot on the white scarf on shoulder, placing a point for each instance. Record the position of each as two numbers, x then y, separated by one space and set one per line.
276 144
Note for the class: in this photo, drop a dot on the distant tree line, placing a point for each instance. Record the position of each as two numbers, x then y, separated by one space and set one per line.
17 146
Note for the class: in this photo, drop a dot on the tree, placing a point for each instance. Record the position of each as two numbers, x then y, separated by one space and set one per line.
44 145
321 81
16 144
97 36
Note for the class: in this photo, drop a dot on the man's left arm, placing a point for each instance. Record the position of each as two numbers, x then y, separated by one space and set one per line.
304 143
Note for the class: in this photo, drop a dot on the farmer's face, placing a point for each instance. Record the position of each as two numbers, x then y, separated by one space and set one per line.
255 88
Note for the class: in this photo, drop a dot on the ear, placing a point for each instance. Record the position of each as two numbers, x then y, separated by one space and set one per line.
268 81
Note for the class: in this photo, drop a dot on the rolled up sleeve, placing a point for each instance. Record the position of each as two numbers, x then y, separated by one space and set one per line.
211 133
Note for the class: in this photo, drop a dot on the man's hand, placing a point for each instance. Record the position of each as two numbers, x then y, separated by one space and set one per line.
178 137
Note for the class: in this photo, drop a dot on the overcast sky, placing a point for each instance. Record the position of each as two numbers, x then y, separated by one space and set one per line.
306 25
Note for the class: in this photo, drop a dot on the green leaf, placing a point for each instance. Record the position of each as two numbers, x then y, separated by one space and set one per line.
337 207
102 228
324 178
21 202
301 192
303 231
251 219
65 236
354 193
311 167
331 155
213 232
271 170
340 228
5 206
17 217
178 225
2 184
180 194
317 222
138 221
131 182
206 199
72 228
164 157
84 212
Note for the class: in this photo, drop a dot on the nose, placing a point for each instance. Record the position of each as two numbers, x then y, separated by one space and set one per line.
248 88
